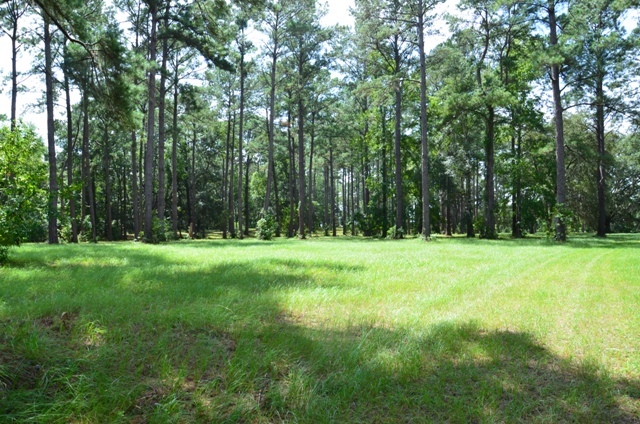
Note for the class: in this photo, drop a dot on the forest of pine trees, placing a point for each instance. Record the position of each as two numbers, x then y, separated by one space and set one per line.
179 118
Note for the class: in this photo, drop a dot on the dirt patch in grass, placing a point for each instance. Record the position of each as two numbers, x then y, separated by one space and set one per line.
153 395
29 347
193 358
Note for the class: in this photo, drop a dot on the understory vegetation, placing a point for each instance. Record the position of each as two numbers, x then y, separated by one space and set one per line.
389 118
326 330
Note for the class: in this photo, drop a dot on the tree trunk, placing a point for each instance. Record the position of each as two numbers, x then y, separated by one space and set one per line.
426 224
277 200
333 191
448 203
174 159
301 180
345 206
161 126
14 72
192 187
561 230
107 186
325 220
240 138
489 207
353 201
87 180
232 227
70 148
312 142
385 225
516 226
148 158
602 216
272 111
123 196
51 142
470 204
134 186
246 196
227 160
398 158
367 173
291 176
141 154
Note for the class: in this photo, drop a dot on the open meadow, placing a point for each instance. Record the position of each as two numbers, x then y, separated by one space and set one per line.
323 330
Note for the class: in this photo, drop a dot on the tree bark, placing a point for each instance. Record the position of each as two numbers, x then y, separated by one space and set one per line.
240 139
311 146
385 225
600 174
107 186
426 224
489 211
277 200
325 220
14 68
398 156
246 196
353 201
70 148
345 206
227 160
469 214
333 191
161 126
135 199
123 195
149 154
301 179
53 179
561 230
174 158
291 176
88 180
272 111
192 187
232 227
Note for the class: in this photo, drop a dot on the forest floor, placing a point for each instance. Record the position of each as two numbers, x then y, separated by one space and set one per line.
322 330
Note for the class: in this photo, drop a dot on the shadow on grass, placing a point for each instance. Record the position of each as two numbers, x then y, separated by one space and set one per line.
581 241
171 340
454 373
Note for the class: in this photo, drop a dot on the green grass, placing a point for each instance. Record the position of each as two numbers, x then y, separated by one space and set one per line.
323 330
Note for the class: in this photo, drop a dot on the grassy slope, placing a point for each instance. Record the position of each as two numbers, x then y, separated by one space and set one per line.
324 330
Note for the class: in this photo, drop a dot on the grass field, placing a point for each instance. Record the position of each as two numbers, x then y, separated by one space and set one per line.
323 330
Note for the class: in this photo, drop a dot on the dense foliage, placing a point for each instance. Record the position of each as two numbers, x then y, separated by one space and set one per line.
22 188
198 116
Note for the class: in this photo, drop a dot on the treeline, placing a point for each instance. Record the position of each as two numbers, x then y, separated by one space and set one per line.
178 118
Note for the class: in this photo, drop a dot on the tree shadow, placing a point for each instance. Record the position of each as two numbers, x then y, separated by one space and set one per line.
136 335
453 373
580 241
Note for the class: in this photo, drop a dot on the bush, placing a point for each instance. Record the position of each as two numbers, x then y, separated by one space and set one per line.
23 194
266 227
87 230
395 233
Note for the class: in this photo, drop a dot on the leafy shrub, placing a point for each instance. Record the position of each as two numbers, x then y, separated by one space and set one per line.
266 227
395 232
23 195
86 233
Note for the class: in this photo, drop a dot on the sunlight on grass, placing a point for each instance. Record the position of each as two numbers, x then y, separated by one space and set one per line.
324 330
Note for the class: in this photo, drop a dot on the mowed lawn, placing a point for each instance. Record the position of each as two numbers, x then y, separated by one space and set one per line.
323 330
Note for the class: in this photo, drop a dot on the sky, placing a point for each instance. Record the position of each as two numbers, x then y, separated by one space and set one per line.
338 13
